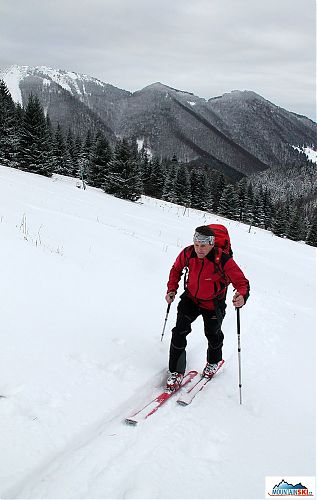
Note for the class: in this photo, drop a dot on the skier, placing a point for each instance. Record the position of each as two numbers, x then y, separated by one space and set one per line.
205 294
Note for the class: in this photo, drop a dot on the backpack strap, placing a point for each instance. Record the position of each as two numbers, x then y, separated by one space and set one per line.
186 269
188 253
219 259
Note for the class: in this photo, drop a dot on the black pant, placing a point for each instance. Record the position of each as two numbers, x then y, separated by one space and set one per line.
187 312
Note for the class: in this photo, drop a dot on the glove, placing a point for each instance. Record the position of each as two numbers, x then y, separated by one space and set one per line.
170 296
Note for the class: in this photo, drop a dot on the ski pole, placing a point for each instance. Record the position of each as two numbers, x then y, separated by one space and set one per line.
239 353
168 310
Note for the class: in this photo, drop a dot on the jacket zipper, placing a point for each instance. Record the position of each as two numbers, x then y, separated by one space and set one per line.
202 265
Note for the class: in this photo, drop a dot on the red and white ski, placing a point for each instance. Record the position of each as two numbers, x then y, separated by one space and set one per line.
186 398
157 402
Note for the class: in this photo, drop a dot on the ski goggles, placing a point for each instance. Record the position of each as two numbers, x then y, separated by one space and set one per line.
203 239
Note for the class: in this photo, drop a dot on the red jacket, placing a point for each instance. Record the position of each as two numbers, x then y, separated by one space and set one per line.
207 280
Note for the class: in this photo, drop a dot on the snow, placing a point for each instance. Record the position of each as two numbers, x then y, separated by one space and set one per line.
309 152
140 144
68 80
192 103
83 279
12 77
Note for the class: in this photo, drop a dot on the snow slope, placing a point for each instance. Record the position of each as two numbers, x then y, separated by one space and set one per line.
82 307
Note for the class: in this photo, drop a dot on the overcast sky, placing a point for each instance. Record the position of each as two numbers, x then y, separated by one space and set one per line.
207 47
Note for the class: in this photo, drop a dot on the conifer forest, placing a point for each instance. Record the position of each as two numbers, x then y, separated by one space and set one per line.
29 142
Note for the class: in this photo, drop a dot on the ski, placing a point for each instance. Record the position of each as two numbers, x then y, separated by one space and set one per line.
186 398
157 402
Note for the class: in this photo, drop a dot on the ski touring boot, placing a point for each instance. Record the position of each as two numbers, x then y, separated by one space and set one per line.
174 381
210 369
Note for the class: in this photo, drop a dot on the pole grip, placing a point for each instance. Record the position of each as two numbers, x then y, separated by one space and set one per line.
238 320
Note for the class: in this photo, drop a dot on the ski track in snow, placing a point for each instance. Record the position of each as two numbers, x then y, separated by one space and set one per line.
85 351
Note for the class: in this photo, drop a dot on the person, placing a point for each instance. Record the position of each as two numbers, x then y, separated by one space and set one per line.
205 295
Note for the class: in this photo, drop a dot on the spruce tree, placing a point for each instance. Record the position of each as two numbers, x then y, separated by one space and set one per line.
9 127
242 194
258 211
268 208
182 186
229 203
61 165
99 160
200 190
169 184
217 191
195 185
84 158
288 215
35 149
76 156
145 168
296 230
206 190
312 233
279 225
248 215
71 157
124 176
156 179
88 144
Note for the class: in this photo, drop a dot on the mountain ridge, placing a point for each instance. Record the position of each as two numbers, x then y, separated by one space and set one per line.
240 129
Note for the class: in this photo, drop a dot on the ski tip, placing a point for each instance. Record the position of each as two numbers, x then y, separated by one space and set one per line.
130 421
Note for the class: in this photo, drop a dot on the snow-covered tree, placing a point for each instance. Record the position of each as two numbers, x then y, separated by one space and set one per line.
229 203
100 156
71 153
258 211
217 189
9 127
267 207
169 184
280 223
296 230
59 152
124 175
200 190
248 215
182 189
145 169
312 232
35 148
156 179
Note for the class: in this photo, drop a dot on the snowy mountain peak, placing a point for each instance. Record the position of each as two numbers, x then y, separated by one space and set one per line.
238 95
12 77
160 87
73 82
